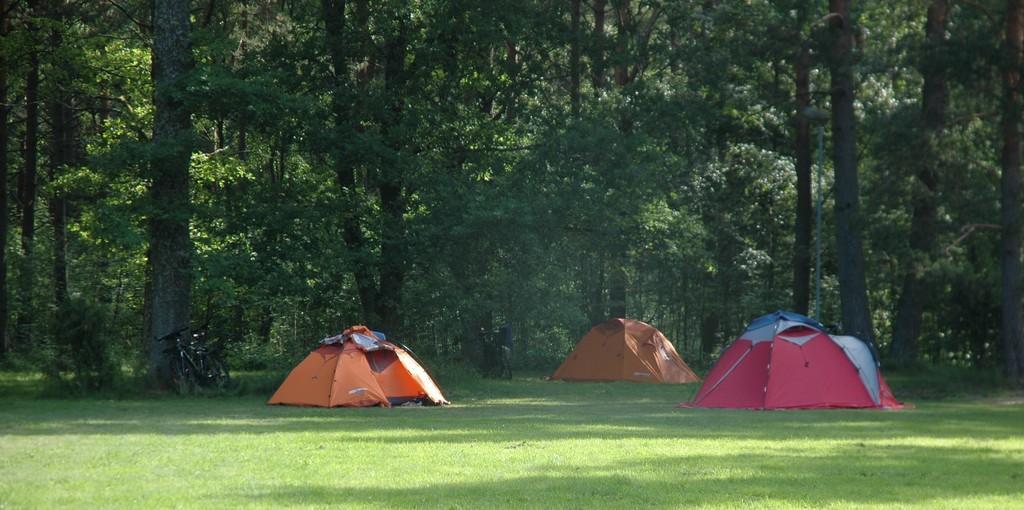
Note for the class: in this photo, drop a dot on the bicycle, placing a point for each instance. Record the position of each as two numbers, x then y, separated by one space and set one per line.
192 363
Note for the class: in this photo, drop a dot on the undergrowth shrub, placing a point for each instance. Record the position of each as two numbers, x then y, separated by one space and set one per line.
80 350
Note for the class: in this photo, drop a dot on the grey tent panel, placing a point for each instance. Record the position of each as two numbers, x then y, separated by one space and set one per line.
336 339
762 334
784 325
860 355
801 339
366 343
768 332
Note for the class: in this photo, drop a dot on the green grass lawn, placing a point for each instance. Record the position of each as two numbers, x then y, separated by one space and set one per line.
520 443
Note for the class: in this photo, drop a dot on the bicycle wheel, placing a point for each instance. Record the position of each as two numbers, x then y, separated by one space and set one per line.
181 374
219 373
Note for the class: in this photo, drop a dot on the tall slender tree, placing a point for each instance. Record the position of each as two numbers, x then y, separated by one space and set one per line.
595 270
597 53
856 316
62 153
27 181
575 41
391 180
913 297
4 109
333 13
1010 262
168 305
618 278
802 148
379 279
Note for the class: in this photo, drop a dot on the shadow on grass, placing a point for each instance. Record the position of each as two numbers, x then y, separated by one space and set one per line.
937 453
847 476
517 411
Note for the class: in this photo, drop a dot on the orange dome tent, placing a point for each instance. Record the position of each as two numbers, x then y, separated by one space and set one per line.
625 350
357 368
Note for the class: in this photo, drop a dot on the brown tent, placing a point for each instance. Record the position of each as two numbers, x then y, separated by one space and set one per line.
357 368
625 350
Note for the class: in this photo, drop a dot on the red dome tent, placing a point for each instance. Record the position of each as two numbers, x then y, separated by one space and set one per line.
785 360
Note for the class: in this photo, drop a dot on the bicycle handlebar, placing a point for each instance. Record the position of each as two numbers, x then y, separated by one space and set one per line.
175 333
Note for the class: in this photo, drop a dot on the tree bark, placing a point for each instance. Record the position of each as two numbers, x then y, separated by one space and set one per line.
265 324
617 290
62 153
594 288
709 326
624 25
1010 187
27 190
62 140
574 58
170 248
915 293
391 187
4 109
802 148
852 287
597 52
380 302
333 12
619 276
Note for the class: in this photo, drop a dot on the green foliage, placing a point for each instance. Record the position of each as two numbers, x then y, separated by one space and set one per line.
676 177
82 348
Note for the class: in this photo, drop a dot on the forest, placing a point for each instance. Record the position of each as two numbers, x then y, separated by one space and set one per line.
274 171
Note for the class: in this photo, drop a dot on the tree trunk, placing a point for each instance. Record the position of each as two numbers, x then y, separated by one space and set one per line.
594 288
265 324
392 253
915 292
617 290
390 188
624 24
709 327
333 12
574 58
243 142
1010 185
170 248
27 190
619 276
62 152
4 109
802 243
852 287
597 55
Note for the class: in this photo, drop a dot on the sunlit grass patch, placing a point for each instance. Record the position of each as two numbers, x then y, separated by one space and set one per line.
522 443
